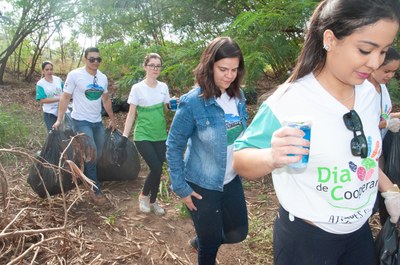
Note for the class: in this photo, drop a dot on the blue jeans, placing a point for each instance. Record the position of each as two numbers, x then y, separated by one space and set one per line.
49 120
221 218
96 134
298 243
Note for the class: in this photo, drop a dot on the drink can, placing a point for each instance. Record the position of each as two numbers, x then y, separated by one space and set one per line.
303 124
173 104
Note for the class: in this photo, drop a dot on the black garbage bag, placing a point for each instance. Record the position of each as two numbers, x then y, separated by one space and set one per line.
110 166
44 174
387 244
66 124
391 154
125 106
116 105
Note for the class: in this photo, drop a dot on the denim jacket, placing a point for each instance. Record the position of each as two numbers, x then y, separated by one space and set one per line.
197 143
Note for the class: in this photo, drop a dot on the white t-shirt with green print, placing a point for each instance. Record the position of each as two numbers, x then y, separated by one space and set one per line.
337 191
45 89
234 128
87 91
150 122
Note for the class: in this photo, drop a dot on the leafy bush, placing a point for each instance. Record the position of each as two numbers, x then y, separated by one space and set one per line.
251 95
394 91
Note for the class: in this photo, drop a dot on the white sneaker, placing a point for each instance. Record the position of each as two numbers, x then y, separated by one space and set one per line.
144 204
157 209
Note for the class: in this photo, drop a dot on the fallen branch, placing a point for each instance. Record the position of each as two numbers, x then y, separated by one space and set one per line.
20 257
4 186
31 232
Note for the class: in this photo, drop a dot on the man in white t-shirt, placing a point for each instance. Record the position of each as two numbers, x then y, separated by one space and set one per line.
87 86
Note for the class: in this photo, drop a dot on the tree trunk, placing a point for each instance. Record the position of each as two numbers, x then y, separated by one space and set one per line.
5 55
18 61
3 63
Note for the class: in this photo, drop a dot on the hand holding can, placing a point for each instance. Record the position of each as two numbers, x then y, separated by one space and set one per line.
303 124
173 103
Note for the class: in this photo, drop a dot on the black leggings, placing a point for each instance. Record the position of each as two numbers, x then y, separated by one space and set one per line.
154 155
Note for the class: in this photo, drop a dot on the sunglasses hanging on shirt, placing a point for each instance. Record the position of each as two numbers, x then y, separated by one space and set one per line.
358 145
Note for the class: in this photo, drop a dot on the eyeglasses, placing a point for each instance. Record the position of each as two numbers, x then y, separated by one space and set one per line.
95 81
93 59
155 67
358 144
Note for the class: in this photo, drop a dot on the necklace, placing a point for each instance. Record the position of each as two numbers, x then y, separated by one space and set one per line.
348 98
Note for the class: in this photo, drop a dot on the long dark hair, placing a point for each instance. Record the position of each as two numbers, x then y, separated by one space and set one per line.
219 48
391 55
343 17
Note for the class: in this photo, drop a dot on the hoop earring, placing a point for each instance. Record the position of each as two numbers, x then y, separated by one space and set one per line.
326 47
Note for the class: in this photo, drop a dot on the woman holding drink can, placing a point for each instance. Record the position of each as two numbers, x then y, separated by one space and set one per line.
323 217
149 99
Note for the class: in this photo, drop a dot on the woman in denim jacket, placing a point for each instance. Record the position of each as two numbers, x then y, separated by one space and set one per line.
200 150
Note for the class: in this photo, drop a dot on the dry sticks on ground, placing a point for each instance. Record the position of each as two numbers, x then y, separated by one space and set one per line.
34 230
54 231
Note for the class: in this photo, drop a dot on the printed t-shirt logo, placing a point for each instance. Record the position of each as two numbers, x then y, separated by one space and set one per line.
234 127
94 91
333 181
57 93
385 112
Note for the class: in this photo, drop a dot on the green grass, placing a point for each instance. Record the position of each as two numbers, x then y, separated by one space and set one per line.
164 190
112 218
18 127
183 211
258 245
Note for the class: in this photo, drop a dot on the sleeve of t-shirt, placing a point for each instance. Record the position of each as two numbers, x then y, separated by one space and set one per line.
62 85
133 96
70 83
259 132
167 95
106 86
40 94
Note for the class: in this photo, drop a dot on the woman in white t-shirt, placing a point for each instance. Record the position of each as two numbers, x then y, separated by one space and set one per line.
149 100
379 78
389 120
325 207
209 119
48 92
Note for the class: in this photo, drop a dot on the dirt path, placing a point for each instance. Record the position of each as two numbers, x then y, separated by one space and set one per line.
116 233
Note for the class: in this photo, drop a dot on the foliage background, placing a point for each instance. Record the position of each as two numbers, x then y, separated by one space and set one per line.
270 33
